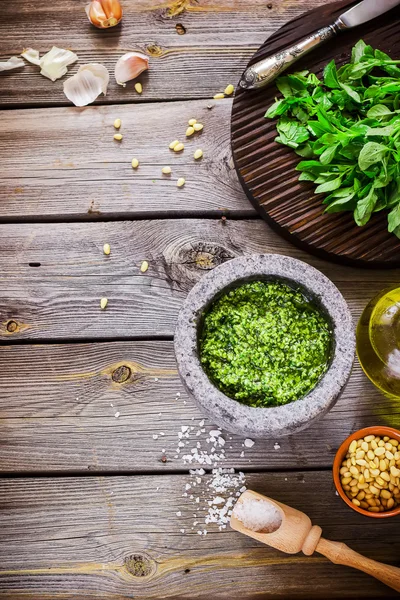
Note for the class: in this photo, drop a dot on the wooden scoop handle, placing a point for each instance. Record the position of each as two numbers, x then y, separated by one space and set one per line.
341 554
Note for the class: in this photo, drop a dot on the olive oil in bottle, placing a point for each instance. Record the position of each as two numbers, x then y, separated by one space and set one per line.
378 341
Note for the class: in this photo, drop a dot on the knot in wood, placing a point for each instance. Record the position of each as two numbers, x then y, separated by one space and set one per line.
154 50
121 374
180 29
140 565
184 264
12 326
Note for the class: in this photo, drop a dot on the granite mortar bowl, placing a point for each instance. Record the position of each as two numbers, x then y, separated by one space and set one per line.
280 420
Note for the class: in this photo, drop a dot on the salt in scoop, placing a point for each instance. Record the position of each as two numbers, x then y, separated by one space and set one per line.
291 531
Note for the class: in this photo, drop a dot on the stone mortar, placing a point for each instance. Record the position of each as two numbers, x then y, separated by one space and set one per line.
275 421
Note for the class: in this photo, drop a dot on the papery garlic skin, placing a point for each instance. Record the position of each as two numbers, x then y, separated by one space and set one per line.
31 56
89 82
12 63
54 63
104 13
129 66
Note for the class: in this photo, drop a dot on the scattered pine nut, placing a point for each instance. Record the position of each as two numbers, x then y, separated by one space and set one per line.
191 122
144 266
118 137
166 170
103 303
219 96
135 163
229 89
117 123
198 154
138 87
173 144
107 249
179 147
198 126
190 131
181 182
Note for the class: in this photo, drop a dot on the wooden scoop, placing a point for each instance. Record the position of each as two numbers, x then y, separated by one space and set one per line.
296 533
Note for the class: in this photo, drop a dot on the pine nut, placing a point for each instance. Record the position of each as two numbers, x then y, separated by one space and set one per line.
189 131
107 249
356 502
386 494
390 503
173 144
198 154
219 96
135 163
166 170
118 137
379 451
229 89
374 509
179 147
181 182
198 126
117 123
364 446
369 438
103 303
138 87
353 446
192 122
144 266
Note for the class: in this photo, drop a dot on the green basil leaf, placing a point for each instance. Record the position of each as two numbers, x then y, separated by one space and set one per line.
370 154
330 75
328 155
365 207
394 218
329 186
379 110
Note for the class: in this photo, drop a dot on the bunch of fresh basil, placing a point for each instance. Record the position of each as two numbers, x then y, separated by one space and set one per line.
347 128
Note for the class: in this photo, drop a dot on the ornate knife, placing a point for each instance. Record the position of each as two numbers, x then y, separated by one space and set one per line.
265 71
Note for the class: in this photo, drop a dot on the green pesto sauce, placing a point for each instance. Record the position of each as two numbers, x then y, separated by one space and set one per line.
264 344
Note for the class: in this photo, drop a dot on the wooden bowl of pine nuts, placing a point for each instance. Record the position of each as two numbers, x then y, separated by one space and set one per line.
366 471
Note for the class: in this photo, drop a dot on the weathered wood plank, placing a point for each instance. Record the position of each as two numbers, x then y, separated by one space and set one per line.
219 40
64 163
59 401
84 537
61 297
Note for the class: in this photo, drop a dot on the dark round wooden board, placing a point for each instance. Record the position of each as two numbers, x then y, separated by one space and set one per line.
266 169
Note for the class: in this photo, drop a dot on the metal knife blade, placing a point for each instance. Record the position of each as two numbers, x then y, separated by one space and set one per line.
365 11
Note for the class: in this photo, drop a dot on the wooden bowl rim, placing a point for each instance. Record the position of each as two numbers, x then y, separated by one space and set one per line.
341 452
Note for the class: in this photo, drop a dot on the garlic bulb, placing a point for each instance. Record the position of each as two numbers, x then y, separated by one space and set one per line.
12 63
104 13
89 82
54 63
129 66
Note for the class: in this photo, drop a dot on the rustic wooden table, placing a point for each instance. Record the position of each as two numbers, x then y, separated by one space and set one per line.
92 503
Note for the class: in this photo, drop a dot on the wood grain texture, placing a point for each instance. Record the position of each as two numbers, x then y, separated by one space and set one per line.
267 169
87 537
59 404
61 297
64 163
220 38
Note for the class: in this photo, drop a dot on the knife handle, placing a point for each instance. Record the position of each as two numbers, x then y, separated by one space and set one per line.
265 71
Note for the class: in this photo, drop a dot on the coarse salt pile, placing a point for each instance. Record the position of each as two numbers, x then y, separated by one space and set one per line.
258 515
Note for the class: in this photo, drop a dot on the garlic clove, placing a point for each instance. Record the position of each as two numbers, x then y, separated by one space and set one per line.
89 82
31 56
129 66
104 13
12 63
54 63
